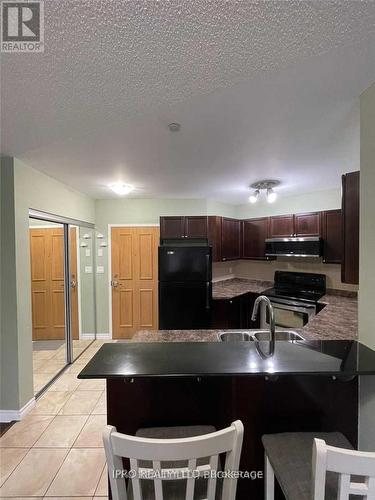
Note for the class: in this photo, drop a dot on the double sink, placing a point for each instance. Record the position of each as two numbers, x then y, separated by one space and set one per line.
258 335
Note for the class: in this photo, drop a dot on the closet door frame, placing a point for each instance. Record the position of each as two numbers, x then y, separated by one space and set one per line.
67 223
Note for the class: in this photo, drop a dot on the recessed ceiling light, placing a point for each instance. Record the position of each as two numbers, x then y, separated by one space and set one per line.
174 127
121 189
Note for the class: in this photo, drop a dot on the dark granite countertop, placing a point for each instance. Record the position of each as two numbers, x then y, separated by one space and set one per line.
176 359
338 320
229 289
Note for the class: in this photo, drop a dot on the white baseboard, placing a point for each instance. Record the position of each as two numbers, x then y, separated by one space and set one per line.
92 336
223 278
103 336
11 415
87 336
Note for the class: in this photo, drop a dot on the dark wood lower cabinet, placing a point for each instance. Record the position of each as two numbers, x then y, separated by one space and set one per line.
284 404
234 313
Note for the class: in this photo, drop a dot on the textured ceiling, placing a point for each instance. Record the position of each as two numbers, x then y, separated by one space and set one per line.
261 89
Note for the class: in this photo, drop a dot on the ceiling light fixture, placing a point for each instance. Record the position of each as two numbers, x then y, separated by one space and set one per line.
253 198
266 185
121 189
271 195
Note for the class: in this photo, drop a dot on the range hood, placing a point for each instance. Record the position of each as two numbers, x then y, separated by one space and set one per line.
294 247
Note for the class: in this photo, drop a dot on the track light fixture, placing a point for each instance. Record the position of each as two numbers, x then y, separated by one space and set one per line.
266 185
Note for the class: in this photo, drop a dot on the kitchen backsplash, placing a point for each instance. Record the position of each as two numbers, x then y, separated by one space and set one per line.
265 270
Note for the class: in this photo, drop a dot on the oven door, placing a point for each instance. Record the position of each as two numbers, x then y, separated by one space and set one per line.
288 314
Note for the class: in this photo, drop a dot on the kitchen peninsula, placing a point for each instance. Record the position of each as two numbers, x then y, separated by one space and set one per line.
305 386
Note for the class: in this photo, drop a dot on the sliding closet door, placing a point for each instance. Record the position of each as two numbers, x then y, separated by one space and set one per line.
49 333
82 288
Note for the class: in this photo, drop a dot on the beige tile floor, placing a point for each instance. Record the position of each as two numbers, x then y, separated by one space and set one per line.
56 451
49 358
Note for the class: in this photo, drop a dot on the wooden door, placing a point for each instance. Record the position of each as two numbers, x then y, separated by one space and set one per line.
254 235
282 226
307 224
47 284
196 227
332 236
230 239
350 222
172 227
134 280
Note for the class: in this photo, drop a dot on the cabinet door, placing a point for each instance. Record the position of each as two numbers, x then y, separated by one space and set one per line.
196 227
226 314
332 236
307 224
282 226
214 237
350 221
230 239
254 234
172 227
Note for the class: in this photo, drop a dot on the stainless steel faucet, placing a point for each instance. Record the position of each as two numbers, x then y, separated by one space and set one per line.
271 312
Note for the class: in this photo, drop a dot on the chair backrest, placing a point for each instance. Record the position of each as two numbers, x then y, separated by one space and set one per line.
345 463
228 441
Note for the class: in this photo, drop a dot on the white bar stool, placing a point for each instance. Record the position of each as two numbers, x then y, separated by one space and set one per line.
301 474
171 468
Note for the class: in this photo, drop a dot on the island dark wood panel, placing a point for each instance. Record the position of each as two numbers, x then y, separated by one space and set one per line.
302 403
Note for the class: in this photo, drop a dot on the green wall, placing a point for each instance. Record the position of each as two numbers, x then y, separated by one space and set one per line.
32 189
367 264
9 342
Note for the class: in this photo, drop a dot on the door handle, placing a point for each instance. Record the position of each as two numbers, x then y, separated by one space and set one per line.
73 284
114 284
208 298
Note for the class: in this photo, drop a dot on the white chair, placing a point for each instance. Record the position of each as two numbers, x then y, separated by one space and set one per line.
140 450
324 474
346 463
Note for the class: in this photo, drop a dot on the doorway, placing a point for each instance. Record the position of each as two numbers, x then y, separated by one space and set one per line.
134 280
63 304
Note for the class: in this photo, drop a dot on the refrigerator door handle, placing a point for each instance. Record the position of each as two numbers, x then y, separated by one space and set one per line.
208 301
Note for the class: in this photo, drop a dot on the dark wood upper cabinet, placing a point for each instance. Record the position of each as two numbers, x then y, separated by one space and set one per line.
332 236
196 226
184 227
350 224
230 239
172 227
254 234
308 224
281 226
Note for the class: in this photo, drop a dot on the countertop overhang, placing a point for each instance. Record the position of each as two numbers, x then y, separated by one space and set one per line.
339 358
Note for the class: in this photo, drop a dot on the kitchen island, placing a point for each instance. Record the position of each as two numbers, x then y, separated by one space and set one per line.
305 386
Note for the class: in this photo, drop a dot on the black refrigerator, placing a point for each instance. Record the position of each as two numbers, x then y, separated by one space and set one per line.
185 288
